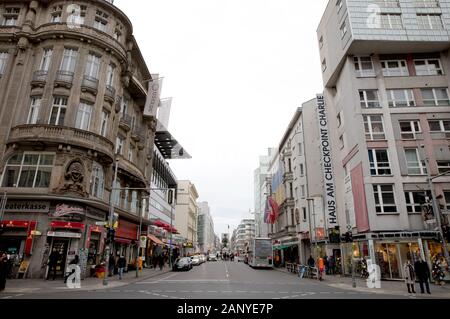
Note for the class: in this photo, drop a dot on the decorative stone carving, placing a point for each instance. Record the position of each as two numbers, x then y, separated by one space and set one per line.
73 178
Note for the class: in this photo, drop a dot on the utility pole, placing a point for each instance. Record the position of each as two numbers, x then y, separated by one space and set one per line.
437 211
110 225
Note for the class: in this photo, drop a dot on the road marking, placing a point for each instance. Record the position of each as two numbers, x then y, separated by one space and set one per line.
7 297
170 291
212 291
294 296
197 291
226 271
227 291
283 292
241 291
197 280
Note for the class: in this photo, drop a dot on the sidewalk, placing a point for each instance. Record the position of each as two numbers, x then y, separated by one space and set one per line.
17 286
387 287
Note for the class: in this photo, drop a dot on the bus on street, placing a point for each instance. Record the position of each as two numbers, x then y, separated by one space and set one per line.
260 254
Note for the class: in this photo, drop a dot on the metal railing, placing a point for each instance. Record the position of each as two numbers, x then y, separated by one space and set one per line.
90 82
110 91
40 76
64 77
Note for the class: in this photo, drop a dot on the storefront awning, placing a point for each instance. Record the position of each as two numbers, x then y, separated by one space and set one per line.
156 240
67 225
122 241
284 245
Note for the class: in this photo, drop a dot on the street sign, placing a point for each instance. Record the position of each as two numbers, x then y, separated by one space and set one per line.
101 223
349 227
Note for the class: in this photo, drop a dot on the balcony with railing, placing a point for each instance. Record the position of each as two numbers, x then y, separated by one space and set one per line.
125 122
39 78
64 78
110 93
61 135
89 84
138 134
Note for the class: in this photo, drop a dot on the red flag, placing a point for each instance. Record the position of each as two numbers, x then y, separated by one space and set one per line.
275 211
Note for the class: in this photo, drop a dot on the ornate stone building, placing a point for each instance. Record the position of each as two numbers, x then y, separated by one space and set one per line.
73 86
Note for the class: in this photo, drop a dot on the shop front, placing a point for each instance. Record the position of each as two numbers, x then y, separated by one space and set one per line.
17 242
390 255
94 246
65 240
126 242
286 250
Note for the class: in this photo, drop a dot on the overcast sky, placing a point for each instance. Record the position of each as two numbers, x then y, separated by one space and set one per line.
237 70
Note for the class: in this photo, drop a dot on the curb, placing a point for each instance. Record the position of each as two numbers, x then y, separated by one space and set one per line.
99 286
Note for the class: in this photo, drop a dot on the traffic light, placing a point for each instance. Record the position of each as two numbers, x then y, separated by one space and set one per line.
348 237
110 233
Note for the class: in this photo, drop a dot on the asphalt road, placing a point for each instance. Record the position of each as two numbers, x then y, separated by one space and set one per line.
219 280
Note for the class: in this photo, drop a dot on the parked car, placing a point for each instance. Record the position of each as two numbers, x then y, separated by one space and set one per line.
203 258
212 257
182 264
195 260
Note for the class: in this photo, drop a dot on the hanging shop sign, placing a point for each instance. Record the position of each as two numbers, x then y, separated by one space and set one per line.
327 163
63 210
27 207
143 242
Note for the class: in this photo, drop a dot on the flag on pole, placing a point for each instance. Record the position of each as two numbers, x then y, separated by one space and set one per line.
271 211
153 97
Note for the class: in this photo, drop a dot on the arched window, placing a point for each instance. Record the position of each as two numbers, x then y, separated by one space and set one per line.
28 170
97 181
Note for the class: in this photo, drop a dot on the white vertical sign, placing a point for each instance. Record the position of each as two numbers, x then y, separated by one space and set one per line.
327 163
153 95
165 106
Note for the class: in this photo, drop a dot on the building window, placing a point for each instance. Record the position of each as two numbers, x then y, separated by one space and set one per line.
97 181
302 170
379 162
101 21
410 129
391 21
343 29
364 66
384 199
341 141
124 106
11 16
58 111
394 68
304 214
321 42
415 165
428 67
415 200
369 99
30 170
110 74
339 119
84 116
339 4
447 199
134 202
131 153
435 97
56 15
324 65
92 66
303 191
443 166
46 60
300 149
104 123
3 62
439 126
430 21
69 60
77 15
374 128
401 98
33 114
120 141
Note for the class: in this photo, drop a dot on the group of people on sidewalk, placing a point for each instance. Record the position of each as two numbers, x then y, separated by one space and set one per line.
324 265
419 271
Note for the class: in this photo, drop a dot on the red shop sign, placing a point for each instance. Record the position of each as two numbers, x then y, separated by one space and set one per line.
67 225
16 224
127 230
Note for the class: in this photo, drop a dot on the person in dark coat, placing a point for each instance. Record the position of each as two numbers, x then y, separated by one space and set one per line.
111 265
423 274
121 264
311 261
161 261
3 270
52 263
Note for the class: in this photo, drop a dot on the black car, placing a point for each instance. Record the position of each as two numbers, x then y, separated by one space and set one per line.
182 264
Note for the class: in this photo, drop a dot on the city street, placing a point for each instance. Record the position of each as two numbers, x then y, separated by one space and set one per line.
228 280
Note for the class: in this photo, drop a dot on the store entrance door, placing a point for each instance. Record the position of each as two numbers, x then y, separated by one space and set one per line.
61 245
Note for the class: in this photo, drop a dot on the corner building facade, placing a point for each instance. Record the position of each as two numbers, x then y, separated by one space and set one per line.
72 95
386 79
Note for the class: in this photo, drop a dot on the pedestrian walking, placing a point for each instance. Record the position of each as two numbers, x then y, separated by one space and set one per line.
111 265
332 265
52 263
325 261
161 261
75 261
3 270
423 274
321 267
121 264
311 261
410 276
